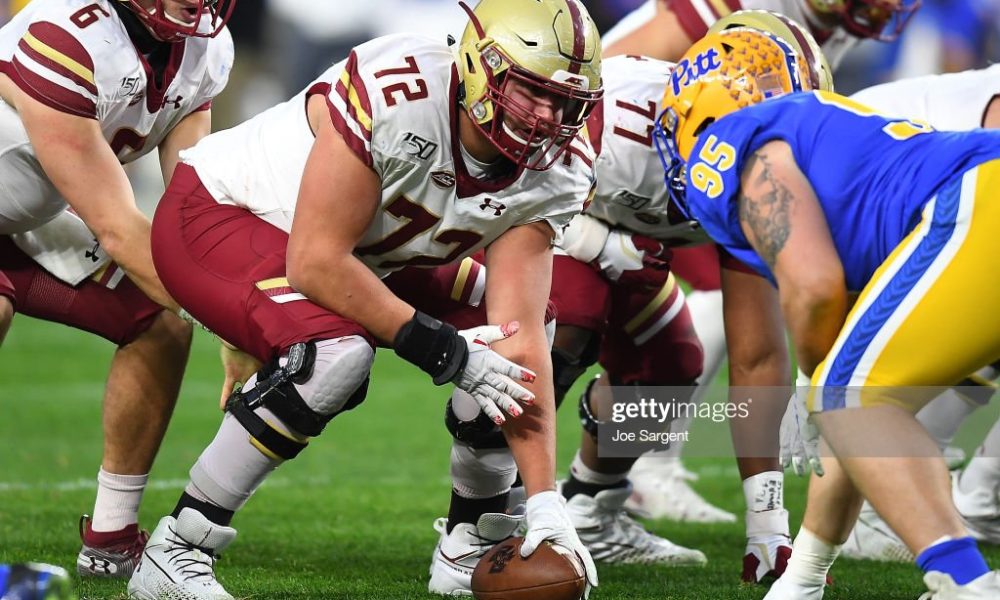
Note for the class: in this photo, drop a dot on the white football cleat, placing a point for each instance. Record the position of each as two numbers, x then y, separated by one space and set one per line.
612 536
785 589
766 558
873 539
979 509
943 587
660 490
458 553
178 561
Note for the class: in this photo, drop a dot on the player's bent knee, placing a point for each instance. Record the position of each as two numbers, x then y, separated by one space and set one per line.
481 472
306 389
575 351
169 330
468 424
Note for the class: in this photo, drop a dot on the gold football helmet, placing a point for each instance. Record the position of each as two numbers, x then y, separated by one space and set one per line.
789 30
551 49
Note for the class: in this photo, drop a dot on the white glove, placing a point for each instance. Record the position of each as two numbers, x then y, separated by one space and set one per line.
492 379
584 238
548 520
799 436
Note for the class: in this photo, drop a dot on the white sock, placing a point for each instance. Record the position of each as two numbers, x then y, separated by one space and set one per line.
811 559
944 415
118 497
765 497
585 474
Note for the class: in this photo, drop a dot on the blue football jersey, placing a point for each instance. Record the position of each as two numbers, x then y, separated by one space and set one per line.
872 175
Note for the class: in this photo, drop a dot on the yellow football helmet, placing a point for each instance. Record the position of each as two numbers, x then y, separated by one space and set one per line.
721 73
552 49
820 73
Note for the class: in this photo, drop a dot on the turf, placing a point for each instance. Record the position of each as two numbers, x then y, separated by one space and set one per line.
349 519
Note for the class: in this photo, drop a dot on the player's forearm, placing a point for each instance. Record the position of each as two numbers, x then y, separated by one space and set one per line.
127 242
531 436
187 133
345 286
814 320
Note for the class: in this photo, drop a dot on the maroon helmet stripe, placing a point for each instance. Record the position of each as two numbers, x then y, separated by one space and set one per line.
579 37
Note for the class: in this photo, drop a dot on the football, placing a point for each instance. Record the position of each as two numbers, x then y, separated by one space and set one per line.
550 573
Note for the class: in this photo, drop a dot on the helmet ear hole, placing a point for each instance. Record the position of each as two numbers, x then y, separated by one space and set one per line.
704 125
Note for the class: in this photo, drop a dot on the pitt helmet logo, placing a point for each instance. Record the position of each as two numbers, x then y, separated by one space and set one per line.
691 70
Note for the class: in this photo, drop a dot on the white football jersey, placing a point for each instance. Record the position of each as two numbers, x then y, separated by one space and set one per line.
949 102
631 192
77 57
696 16
394 100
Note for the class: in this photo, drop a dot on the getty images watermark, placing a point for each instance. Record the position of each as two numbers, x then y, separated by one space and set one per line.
629 421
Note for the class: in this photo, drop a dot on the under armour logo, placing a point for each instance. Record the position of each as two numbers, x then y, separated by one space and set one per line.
99 565
498 208
176 102
92 253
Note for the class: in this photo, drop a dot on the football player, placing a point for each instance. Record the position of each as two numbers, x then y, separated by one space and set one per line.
952 102
610 284
665 29
86 88
275 234
617 304
905 220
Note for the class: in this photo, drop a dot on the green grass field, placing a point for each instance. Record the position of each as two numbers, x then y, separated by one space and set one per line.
349 519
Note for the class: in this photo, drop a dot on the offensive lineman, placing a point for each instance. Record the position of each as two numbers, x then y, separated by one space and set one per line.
615 303
86 88
275 234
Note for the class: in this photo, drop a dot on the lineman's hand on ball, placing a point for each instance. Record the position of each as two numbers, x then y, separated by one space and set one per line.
238 367
492 379
548 521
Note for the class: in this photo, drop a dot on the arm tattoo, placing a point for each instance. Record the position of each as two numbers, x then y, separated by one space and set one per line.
764 209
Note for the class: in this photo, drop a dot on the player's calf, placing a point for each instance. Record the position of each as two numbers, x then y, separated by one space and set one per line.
6 316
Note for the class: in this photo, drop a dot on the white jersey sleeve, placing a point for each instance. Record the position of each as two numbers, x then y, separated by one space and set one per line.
949 102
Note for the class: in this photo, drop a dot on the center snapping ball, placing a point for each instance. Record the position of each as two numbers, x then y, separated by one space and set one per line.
550 573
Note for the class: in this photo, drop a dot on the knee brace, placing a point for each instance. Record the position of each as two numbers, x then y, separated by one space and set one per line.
481 472
479 431
305 390
588 419
567 367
